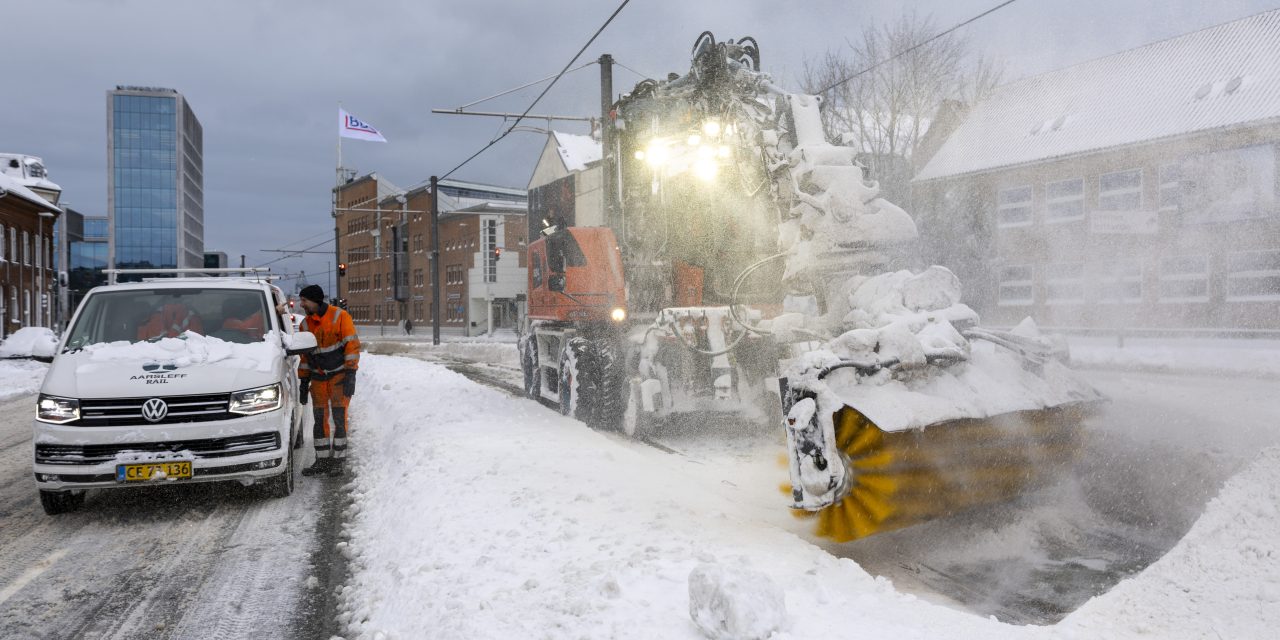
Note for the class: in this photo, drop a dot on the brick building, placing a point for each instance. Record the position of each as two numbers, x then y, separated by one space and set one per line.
28 210
1135 191
384 238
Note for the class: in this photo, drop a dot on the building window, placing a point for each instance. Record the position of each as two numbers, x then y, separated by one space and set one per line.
1064 283
1224 186
1118 281
1016 286
26 307
1120 191
1170 187
1064 201
3 232
377 281
26 248
1253 276
1184 279
1014 207
491 250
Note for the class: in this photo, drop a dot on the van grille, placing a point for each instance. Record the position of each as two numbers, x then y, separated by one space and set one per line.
112 412
202 449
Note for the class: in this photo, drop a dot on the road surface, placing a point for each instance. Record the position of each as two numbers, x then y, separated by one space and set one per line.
198 561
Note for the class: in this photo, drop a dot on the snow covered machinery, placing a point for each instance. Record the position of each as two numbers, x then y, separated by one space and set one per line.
750 251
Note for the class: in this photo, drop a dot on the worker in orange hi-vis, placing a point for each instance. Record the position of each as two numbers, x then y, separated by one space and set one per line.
329 373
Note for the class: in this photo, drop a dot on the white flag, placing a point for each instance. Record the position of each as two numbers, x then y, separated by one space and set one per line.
350 126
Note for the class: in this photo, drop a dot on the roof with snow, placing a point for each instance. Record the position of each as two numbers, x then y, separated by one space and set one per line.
576 151
1216 78
12 188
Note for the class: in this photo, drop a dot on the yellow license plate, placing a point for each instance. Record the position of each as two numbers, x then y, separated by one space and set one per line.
155 471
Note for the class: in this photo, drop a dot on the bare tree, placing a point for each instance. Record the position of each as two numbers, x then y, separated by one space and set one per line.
884 108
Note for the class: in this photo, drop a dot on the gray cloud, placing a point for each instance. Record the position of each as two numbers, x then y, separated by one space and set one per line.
265 79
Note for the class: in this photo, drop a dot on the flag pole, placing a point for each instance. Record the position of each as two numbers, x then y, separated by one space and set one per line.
337 251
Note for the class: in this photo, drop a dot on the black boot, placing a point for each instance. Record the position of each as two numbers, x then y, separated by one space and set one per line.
321 466
336 470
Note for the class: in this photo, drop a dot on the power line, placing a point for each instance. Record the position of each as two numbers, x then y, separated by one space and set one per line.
297 252
642 75
544 91
918 45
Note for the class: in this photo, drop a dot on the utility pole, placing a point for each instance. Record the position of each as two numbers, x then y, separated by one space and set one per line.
435 261
607 135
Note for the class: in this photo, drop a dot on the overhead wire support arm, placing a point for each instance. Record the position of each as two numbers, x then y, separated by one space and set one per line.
544 91
504 115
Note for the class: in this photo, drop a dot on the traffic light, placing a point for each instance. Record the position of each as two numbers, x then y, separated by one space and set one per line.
342 269
497 252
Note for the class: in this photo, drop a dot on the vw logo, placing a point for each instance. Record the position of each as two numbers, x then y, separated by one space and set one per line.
154 410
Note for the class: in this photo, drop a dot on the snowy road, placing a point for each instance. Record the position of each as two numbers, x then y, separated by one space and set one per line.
197 561
1162 450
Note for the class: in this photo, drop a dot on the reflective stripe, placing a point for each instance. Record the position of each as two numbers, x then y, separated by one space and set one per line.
336 345
322 453
339 443
322 442
351 356
304 367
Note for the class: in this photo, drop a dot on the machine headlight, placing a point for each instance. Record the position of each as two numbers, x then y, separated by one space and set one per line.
706 169
618 314
711 128
259 400
57 410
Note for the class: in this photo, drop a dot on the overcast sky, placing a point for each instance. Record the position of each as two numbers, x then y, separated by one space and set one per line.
265 78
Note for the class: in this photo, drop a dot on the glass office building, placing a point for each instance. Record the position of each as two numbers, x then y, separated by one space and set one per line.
155 191
87 257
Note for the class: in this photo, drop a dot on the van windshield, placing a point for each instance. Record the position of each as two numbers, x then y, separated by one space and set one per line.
136 315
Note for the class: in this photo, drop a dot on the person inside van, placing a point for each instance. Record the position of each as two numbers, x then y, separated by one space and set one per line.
170 321
245 317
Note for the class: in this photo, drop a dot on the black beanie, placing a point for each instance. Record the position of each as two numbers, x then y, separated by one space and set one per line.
313 292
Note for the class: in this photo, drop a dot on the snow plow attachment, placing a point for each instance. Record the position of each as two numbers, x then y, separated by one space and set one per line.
860 479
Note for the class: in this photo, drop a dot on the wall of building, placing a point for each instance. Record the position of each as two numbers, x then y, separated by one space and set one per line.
26 266
1180 234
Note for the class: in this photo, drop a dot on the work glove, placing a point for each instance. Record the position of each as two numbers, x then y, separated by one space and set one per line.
349 383
304 389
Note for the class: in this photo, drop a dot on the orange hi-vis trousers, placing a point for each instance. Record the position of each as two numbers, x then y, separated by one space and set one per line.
327 398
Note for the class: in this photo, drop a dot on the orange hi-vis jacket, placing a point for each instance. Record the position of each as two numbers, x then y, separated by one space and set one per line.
337 346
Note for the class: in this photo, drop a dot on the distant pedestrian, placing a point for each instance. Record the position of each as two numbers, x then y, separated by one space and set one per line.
408 326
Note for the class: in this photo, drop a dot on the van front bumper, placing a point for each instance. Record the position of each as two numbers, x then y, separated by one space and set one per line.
245 450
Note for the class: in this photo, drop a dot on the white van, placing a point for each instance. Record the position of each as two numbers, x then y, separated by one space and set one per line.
171 380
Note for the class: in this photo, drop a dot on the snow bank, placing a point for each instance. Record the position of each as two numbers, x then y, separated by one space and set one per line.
1222 580
20 377
30 341
480 515
190 349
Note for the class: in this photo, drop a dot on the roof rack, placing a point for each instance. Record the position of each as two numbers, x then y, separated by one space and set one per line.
256 271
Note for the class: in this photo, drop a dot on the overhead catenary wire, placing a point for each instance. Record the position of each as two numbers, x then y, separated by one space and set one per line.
523 86
915 46
642 75
543 93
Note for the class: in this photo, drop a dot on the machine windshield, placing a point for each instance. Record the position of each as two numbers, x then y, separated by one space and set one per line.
136 315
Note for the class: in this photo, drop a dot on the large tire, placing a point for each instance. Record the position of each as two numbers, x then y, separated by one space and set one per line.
56 502
611 388
530 366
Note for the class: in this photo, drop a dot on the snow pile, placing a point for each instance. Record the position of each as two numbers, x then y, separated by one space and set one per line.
1222 580
20 377
735 604
30 341
190 349
912 323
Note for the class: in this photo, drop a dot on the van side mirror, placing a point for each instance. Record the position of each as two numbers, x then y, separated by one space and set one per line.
556 282
299 343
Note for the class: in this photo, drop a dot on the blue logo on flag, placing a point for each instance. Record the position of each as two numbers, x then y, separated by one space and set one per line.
353 123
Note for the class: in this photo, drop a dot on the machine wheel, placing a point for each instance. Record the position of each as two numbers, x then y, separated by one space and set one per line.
281 486
529 364
611 387
56 502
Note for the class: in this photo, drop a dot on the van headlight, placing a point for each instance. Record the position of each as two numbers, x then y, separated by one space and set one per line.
57 410
259 400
